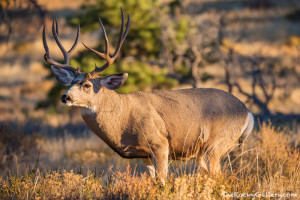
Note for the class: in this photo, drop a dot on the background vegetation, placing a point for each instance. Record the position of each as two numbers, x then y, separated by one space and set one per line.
247 47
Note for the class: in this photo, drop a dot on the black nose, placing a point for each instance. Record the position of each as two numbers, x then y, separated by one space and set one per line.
65 98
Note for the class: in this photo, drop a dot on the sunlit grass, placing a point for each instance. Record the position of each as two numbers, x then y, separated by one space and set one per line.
267 164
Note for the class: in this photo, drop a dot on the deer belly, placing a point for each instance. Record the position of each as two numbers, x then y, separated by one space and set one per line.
186 146
130 151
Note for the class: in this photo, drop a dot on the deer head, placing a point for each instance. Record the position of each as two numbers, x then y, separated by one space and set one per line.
85 85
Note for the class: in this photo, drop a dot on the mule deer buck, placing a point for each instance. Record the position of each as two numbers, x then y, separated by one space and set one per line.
200 123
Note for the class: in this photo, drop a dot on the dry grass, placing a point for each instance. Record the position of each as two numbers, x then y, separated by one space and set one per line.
267 164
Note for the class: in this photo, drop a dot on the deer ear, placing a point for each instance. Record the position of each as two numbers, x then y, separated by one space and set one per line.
63 76
114 81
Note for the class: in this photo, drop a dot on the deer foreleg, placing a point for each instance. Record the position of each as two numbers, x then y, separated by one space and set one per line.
160 159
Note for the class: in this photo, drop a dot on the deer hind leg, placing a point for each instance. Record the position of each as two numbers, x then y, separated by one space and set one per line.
214 153
202 164
150 167
214 164
200 160
210 161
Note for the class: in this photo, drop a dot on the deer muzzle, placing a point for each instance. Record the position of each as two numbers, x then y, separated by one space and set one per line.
65 98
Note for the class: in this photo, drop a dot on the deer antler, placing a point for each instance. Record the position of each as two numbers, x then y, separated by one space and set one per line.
106 55
66 54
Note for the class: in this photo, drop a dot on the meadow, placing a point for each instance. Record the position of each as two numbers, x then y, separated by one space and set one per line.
266 167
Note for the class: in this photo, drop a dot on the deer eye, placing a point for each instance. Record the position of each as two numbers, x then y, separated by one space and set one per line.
86 86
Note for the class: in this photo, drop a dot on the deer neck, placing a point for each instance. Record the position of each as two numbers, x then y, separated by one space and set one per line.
105 116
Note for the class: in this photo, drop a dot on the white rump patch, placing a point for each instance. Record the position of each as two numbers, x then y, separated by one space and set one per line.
248 126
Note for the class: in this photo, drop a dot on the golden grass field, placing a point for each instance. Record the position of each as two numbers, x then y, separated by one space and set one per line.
266 167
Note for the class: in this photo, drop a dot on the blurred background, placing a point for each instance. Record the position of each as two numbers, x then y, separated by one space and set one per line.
250 48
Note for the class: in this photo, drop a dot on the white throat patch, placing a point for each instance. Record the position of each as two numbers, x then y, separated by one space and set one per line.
88 111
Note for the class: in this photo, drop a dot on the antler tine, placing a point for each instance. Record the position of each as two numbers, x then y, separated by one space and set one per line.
102 55
105 55
55 35
105 38
66 54
122 34
76 40
45 41
56 27
47 54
